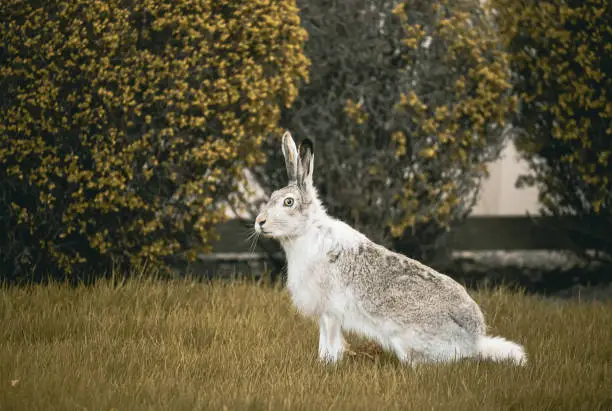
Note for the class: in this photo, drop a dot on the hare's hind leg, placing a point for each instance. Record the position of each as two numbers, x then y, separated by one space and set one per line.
331 341
403 352
397 344
430 347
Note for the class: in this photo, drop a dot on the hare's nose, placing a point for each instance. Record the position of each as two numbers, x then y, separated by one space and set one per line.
261 220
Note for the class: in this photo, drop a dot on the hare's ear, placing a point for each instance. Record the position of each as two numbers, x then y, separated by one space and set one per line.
306 164
291 157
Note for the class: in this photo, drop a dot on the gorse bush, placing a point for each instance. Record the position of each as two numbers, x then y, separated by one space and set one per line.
407 102
561 57
123 124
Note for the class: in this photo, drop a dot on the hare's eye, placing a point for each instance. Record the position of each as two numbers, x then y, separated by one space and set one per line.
288 202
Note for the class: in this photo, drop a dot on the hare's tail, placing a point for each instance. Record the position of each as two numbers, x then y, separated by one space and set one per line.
500 349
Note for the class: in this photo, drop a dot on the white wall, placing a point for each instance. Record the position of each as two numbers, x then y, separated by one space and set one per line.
499 196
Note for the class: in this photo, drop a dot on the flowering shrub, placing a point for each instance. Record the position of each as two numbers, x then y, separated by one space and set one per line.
123 123
561 56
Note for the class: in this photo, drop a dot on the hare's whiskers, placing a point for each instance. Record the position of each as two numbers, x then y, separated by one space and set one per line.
254 238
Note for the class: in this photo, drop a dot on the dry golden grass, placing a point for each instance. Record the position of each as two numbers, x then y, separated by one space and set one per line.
181 345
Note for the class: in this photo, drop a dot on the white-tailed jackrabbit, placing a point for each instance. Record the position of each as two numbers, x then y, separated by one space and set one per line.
340 277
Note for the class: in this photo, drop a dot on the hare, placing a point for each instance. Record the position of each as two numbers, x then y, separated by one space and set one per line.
346 281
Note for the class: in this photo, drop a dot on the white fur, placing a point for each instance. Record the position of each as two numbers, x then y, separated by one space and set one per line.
305 253
500 349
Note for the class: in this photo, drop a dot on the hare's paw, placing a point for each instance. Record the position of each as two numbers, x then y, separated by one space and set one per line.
331 341
328 357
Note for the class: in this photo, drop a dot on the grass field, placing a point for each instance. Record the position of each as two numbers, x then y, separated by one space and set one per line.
181 345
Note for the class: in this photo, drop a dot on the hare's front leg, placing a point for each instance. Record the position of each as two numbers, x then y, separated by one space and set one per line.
331 341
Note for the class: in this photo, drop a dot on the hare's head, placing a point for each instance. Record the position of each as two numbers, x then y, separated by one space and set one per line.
291 209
